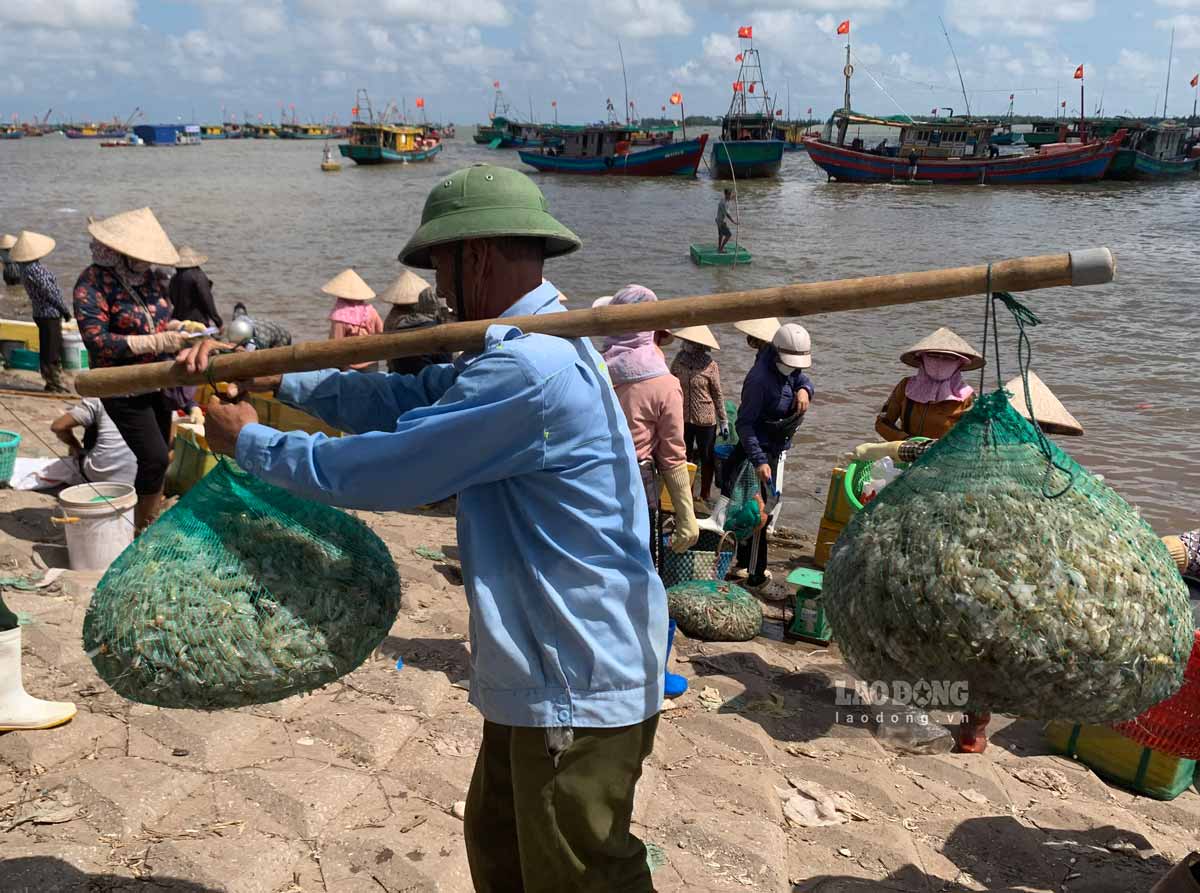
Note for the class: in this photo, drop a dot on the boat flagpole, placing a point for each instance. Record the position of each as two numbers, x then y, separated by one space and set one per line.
1170 59
1196 85
844 124
624 78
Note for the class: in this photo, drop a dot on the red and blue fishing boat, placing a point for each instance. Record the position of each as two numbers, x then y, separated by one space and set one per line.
953 151
1155 152
608 149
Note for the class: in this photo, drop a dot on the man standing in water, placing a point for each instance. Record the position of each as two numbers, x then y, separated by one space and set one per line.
724 234
568 617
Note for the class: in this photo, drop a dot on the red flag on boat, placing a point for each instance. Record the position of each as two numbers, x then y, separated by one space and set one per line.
676 98
746 31
1079 73
1012 96
737 86
933 112
752 86
810 109
844 27
496 84
664 108
553 103
420 102
1196 81
737 58
1064 103
353 111
778 113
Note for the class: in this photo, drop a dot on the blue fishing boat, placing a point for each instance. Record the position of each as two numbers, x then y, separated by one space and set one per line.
748 147
953 151
1154 152
609 150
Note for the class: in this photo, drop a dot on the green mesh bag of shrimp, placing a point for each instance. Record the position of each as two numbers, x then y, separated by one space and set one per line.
240 594
998 560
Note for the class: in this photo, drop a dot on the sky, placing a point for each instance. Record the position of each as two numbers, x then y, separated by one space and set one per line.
207 59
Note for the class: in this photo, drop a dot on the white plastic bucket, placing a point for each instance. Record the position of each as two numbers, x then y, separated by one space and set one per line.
72 352
98 519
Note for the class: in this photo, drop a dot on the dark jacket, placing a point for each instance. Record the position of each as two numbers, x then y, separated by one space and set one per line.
191 297
768 401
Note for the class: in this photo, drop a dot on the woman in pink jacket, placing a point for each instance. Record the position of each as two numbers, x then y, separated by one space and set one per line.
352 315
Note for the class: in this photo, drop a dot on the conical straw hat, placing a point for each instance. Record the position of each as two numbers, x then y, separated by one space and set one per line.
136 234
1048 411
602 301
763 329
7 241
190 257
943 341
406 290
349 286
698 335
30 246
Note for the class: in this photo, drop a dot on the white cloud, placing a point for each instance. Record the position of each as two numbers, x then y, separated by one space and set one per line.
691 73
330 78
1180 4
1187 30
264 20
1138 64
490 13
648 18
11 85
1023 18
69 13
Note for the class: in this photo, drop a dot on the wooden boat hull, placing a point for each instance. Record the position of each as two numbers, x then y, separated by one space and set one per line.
288 135
1131 164
378 155
747 159
106 135
674 160
1075 165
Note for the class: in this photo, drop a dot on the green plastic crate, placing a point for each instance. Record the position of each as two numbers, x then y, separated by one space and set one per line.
24 359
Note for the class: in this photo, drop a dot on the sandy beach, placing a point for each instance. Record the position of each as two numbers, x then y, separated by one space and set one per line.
358 787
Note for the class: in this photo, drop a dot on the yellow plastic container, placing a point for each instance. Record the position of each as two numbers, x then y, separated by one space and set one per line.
20 331
827 535
277 415
191 460
837 507
1111 755
664 498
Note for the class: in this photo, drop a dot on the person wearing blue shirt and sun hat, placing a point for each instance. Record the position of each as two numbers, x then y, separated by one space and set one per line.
568 621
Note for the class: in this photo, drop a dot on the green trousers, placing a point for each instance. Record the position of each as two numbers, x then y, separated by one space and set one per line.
547 818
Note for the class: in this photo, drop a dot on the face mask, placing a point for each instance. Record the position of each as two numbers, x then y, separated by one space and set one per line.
940 367
138 266
784 369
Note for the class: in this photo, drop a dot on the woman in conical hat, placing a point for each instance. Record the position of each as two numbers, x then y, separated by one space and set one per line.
124 318
191 290
415 305
352 314
49 309
703 402
929 403
12 269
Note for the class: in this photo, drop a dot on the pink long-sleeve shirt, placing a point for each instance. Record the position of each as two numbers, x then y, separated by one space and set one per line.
345 330
654 409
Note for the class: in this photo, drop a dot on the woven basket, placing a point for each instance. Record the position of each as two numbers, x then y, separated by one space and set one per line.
704 562
1172 726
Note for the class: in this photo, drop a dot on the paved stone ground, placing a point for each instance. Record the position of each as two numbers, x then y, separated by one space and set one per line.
352 789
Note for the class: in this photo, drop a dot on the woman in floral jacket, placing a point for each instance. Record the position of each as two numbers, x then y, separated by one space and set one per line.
124 317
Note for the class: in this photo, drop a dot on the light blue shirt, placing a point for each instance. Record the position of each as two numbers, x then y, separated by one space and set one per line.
568 617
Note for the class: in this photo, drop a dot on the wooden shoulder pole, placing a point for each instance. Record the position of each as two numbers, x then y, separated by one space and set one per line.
1091 267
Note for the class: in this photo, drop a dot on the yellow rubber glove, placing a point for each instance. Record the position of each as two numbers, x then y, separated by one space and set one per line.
873 452
1175 546
687 529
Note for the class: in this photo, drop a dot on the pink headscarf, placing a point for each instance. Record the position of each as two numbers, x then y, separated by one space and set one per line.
938 378
634 357
352 313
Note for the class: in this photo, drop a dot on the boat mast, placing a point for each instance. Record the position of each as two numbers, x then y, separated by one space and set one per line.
957 68
621 52
1170 57
844 124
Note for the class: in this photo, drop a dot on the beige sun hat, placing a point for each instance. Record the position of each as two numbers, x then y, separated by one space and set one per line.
190 257
763 329
7 241
349 286
698 335
136 234
406 290
602 301
943 341
30 246
1048 410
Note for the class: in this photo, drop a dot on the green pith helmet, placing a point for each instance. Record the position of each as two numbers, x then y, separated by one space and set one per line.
485 202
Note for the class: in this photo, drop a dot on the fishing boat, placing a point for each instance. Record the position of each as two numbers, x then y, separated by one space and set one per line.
233 130
606 149
263 131
792 135
304 132
212 132
747 147
374 141
11 133
93 132
485 134
952 150
132 141
1154 152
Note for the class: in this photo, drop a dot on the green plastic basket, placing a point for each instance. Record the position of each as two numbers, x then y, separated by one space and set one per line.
9 442
858 474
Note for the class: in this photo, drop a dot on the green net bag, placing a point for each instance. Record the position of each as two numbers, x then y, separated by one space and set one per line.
240 594
713 611
997 560
745 515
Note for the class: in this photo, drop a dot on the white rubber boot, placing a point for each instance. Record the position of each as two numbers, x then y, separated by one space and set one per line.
716 520
19 711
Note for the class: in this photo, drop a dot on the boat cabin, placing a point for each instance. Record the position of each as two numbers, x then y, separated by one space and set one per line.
940 139
1163 142
599 141
209 131
388 136
735 128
